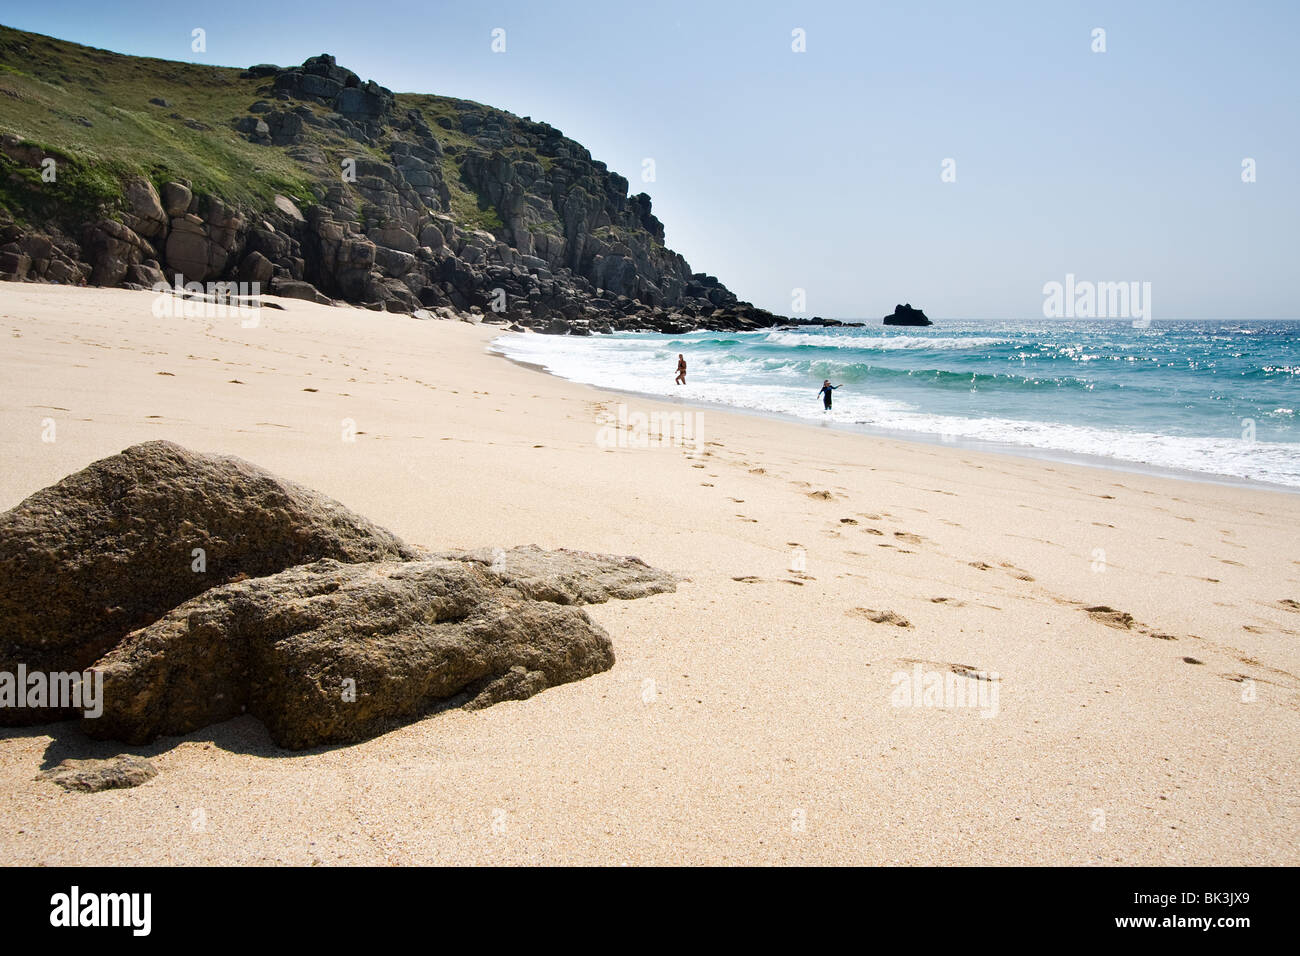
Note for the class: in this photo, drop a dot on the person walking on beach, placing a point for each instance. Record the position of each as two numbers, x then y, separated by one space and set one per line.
825 393
681 369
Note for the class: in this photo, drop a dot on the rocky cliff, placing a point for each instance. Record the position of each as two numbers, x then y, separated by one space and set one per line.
118 170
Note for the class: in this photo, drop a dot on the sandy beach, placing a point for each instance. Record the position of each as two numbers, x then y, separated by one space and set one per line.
752 717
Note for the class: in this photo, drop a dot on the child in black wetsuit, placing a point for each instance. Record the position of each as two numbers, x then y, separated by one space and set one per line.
825 393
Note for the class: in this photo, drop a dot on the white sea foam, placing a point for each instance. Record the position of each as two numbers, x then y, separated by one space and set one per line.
768 386
883 342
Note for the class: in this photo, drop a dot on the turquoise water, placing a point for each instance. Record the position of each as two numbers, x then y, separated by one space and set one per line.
1216 398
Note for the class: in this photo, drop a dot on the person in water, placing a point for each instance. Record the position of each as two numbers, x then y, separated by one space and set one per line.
681 369
825 393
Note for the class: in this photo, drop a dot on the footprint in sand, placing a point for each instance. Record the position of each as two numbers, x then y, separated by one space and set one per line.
168 374
879 617
1120 620
1192 660
981 566
873 531
749 579
950 602
908 537
822 495
311 389
961 670
1289 604
848 521
1242 678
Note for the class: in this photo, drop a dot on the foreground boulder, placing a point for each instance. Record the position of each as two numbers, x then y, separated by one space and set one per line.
324 626
333 653
118 544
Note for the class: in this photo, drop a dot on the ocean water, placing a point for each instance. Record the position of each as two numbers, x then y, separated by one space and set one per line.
1210 397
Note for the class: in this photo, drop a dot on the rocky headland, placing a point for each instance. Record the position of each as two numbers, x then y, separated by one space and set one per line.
317 184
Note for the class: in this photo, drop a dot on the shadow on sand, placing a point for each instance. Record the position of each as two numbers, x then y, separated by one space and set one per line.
242 735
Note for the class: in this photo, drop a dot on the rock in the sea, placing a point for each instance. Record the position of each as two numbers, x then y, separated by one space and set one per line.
906 315
569 577
117 545
91 776
333 653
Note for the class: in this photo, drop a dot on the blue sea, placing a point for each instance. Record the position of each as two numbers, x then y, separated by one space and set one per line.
1213 398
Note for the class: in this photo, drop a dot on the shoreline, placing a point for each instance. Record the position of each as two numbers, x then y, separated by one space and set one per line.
1122 466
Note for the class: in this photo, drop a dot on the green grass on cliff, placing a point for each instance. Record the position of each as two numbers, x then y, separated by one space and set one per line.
51 89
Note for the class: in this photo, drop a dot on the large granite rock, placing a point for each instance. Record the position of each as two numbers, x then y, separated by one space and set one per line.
146 215
326 627
333 653
112 249
112 548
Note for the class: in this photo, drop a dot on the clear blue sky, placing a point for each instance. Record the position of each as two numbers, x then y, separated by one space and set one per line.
821 170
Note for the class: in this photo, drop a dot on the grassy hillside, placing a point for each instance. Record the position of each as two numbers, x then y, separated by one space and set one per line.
92 109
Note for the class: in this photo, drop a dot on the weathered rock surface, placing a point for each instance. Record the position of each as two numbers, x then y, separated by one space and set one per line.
412 637
112 547
91 776
569 577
